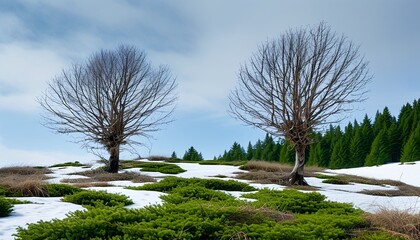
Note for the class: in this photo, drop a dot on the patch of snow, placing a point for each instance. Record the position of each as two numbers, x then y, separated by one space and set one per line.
43 209
140 198
407 173
48 208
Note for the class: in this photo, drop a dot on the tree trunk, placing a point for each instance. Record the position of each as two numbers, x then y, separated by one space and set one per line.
297 175
114 159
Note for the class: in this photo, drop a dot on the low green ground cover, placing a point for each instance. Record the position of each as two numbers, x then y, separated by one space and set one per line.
153 167
97 198
194 209
68 164
169 183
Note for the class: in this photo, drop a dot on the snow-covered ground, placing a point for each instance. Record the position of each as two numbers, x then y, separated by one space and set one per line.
50 208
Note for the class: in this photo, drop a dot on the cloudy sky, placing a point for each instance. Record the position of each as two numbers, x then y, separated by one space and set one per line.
203 42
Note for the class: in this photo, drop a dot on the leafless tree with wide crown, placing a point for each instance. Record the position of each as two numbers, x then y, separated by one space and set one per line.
109 99
294 84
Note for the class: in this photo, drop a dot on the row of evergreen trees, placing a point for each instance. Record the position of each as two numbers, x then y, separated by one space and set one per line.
386 139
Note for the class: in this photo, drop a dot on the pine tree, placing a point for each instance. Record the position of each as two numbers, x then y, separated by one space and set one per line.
258 150
268 150
367 136
340 153
192 155
315 154
405 122
173 156
357 152
287 153
411 150
380 152
249 152
394 142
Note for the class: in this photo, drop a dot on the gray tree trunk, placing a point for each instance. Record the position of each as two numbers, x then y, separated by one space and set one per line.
297 175
114 159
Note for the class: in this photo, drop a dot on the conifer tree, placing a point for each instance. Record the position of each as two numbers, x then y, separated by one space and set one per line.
315 154
380 152
405 122
173 156
357 152
340 153
367 136
249 152
268 150
411 151
192 155
287 153
258 150
394 142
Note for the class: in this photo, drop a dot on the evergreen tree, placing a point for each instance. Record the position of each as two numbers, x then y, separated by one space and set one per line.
287 153
411 151
340 154
173 156
258 150
192 155
236 153
367 136
315 154
268 150
394 142
249 152
380 152
357 152
405 122
382 120
326 146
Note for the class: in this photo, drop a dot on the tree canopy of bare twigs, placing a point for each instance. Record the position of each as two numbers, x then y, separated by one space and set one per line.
296 83
110 98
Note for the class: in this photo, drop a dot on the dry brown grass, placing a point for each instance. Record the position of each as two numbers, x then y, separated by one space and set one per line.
24 181
277 167
250 214
100 175
263 177
398 222
23 171
403 188
275 173
91 184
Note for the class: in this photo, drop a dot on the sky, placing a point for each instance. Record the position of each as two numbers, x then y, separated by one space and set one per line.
203 43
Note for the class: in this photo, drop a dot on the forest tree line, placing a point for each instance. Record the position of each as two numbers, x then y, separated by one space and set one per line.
385 139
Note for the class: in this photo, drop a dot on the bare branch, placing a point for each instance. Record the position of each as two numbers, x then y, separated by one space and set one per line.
109 99
294 84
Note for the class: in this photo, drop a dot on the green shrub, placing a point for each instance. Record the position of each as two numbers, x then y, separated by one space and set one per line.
378 235
16 201
323 176
169 183
188 193
154 167
291 200
3 191
98 198
68 164
193 220
336 181
5 207
60 190
193 211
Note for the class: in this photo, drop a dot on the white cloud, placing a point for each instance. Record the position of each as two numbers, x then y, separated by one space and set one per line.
22 157
24 73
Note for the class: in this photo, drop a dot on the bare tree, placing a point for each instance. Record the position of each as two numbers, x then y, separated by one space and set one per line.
110 98
294 84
